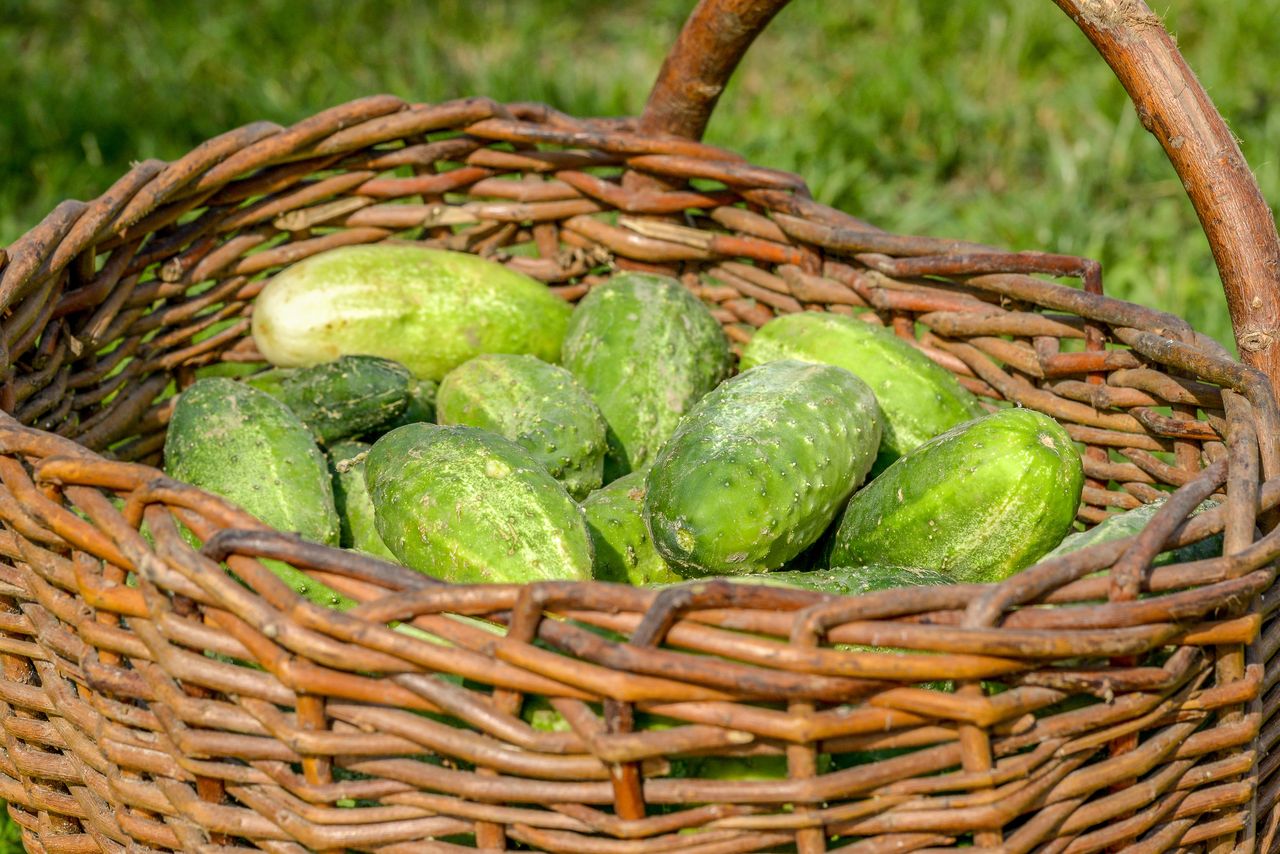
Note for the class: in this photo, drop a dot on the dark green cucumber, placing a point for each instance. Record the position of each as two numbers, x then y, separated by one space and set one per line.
646 349
1131 523
852 580
759 468
468 506
918 397
342 398
248 447
351 496
540 407
421 408
624 549
979 502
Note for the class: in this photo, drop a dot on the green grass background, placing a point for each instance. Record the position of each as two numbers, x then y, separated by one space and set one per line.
990 120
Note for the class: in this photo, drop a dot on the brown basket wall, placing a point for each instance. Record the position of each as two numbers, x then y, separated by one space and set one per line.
1133 721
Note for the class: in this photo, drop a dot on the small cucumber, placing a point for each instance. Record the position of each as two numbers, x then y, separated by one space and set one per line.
342 398
540 407
646 349
979 502
351 495
248 447
624 549
468 506
918 397
759 468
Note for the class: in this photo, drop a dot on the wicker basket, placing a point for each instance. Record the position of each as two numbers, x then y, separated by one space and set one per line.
1134 716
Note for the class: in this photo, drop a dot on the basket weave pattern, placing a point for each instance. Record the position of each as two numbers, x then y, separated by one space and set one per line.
132 719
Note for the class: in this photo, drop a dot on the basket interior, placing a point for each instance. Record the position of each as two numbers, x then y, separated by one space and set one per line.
117 305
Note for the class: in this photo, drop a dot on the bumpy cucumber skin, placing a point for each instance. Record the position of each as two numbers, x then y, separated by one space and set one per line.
351 496
979 502
918 397
346 397
468 506
646 349
540 407
1131 523
759 468
429 309
248 447
624 549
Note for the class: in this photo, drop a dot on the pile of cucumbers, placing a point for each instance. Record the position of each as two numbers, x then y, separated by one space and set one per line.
440 410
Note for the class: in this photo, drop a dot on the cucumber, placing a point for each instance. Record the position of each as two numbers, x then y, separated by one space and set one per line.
429 309
851 580
421 408
342 398
243 444
646 349
918 397
624 549
540 407
351 496
979 502
468 506
1131 523
759 468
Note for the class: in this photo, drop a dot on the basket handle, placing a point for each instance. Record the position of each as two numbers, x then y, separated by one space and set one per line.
1170 101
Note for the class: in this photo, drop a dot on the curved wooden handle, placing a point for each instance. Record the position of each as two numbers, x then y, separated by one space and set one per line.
1170 101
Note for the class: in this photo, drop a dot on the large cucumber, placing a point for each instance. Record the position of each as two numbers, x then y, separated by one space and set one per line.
647 350
346 397
759 468
351 495
469 506
918 397
248 447
540 407
429 309
624 549
979 502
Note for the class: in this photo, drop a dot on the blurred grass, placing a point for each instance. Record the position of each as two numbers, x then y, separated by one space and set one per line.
991 120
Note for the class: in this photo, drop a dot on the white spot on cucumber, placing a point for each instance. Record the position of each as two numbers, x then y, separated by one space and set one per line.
496 469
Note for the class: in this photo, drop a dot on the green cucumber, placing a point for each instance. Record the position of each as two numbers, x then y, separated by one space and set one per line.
646 349
422 405
243 444
851 580
351 495
342 398
624 549
540 407
429 309
979 502
918 397
759 468
1131 523
468 506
